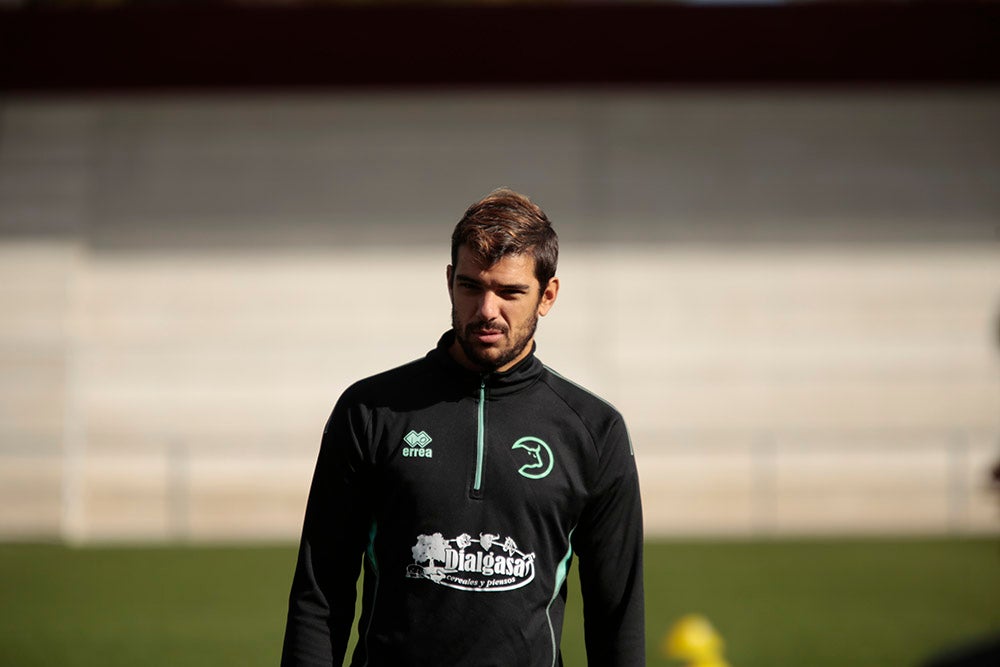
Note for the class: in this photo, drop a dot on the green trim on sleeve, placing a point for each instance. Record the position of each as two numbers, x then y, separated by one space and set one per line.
561 571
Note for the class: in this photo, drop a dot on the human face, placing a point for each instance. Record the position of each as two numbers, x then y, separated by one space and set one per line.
495 309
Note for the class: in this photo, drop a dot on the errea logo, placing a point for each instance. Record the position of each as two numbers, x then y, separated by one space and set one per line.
417 444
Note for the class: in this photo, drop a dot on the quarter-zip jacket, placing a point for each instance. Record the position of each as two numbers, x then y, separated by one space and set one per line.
466 497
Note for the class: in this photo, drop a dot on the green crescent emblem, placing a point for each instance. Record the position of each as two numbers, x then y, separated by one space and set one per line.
542 459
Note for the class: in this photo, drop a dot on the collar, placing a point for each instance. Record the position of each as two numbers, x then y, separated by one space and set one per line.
521 376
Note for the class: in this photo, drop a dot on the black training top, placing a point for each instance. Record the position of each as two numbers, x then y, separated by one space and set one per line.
466 496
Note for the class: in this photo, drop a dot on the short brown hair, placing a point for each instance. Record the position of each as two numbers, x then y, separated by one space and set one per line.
504 223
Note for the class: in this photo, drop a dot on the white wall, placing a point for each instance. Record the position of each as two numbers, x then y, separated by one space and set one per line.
793 296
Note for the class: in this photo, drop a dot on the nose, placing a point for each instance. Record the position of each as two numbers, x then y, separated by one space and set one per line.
489 306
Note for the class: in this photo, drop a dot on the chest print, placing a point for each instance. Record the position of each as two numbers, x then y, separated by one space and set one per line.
417 445
539 457
490 563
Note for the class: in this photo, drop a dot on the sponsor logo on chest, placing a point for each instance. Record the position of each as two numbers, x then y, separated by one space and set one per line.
489 563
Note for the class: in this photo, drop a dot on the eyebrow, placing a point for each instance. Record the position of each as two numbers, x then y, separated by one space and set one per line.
461 277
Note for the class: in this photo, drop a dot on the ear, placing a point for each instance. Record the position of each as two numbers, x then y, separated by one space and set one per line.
549 295
450 273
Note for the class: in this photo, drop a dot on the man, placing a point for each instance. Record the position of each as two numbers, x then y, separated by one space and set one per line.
466 481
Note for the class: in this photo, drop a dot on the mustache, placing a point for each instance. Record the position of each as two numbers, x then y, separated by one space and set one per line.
486 325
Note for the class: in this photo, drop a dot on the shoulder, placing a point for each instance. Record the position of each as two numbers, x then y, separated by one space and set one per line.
598 415
398 388
612 445
390 385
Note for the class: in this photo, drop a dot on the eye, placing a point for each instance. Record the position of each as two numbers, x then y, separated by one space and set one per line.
512 293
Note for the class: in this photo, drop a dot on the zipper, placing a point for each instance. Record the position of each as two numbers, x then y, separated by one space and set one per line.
477 483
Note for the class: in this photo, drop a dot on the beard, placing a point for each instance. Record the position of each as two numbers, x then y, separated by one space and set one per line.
488 358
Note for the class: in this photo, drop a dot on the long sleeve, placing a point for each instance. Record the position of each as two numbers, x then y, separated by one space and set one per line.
334 536
608 542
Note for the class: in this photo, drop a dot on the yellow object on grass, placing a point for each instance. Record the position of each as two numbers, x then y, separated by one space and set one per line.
692 638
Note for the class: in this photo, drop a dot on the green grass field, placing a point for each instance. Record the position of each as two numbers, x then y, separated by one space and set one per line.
777 604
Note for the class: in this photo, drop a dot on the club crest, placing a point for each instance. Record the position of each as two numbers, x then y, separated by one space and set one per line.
540 460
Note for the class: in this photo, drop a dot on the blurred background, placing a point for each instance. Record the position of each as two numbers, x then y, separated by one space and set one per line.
779 227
